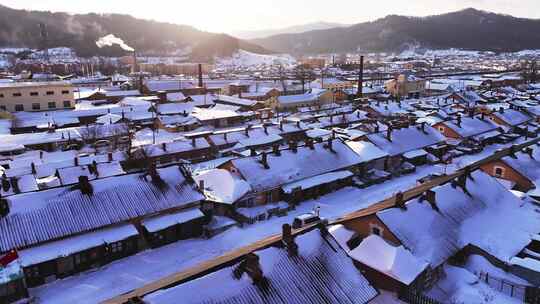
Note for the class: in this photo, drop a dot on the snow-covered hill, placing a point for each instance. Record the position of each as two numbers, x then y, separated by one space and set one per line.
247 59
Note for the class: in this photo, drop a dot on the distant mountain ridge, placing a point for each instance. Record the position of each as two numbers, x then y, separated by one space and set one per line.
320 25
19 28
466 29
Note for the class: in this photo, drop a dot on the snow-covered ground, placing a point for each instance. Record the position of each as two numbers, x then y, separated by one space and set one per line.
461 286
247 59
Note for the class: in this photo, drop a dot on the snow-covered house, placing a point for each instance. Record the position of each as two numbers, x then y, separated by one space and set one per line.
388 109
519 171
477 128
406 144
455 219
294 173
65 230
195 149
514 120
306 268
313 97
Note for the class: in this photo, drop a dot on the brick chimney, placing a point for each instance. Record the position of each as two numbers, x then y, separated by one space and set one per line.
193 141
162 95
293 146
389 133
529 152
275 150
330 145
264 160
430 196
288 239
459 121
110 156
201 185
309 143
400 202
85 186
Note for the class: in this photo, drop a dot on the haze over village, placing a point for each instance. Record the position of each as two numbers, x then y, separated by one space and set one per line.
237 152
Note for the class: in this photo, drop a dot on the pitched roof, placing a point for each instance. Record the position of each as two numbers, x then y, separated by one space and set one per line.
406 139
321 273
290 166
47 215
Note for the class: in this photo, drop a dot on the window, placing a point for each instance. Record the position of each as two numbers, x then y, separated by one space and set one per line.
498 171
80 259
3 108
1 95
116 247
19 107
32 272
67 104
441 129
36 106
50 92
376 229
52 105
65 92
34 93
17 94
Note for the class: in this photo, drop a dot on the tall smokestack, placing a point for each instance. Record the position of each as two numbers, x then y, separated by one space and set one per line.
200 76
360 77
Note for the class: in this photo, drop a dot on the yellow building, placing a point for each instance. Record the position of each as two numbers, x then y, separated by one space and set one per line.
36 96
406 86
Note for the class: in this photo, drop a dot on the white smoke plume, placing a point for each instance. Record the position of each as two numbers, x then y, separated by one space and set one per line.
111 40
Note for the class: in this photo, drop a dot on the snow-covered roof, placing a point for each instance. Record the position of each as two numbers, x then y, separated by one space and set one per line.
317 181
235 100
471 126
527 166
222 186
66 247
396 262
406 139
495 221
311 96
165 221
290 166
512 117
321 273
41 216
366 150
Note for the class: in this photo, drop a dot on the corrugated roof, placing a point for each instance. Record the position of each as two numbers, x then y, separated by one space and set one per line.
48 215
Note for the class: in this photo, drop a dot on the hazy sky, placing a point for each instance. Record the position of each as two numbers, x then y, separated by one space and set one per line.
230 15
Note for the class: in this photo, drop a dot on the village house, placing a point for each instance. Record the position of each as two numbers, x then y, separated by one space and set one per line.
458 219
406 86
478 128
111 213
519 171
405 147
289 175
36 96
320 268
311 98
514 120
